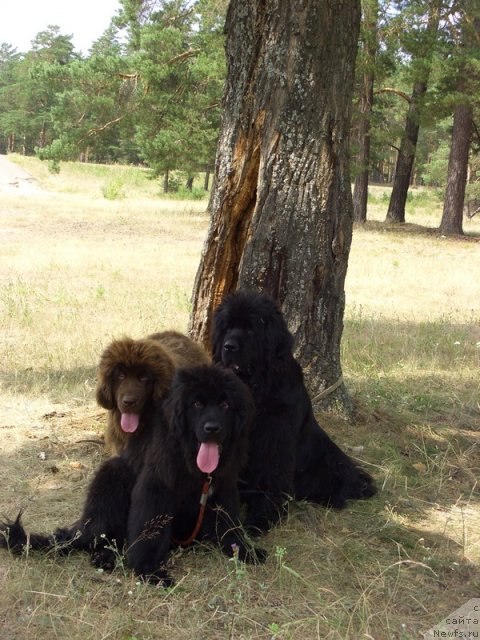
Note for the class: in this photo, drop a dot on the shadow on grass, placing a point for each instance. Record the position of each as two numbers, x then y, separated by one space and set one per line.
401 557
410 228
52 384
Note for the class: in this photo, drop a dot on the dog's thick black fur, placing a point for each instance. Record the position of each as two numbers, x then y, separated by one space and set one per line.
290 454
149 495
206 432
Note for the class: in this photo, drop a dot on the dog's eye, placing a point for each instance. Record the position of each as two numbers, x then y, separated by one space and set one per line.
143 378
198 404
120 375
224 405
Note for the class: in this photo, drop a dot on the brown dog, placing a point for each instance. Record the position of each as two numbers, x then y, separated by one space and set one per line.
134 376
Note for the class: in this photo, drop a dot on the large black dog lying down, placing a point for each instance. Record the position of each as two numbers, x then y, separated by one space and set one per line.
290 454
149 496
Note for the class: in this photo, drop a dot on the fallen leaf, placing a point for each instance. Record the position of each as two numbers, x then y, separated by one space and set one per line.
420 467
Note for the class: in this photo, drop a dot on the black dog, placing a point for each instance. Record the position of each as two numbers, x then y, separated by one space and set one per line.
152 495
206 437
290 454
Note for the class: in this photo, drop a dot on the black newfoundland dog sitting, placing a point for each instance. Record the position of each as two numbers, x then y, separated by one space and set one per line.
290 456
174 483
204 445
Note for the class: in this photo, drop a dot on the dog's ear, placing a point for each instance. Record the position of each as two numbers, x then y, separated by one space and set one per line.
174 406
244 406
218 334
178 417
240 420
104 394
278 339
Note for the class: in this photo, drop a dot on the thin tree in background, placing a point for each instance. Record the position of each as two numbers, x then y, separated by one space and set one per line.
452 217
408 145
369 51
466 63
281 208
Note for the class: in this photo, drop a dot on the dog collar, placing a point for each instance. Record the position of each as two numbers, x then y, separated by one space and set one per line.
201 512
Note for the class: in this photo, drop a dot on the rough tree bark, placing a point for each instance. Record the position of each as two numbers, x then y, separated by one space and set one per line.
281 206
360 190
452 217
467 84
406 157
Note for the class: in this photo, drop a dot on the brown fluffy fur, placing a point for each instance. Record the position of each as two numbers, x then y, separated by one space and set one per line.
183 351
147 367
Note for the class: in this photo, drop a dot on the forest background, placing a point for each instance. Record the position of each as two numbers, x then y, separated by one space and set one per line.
149 93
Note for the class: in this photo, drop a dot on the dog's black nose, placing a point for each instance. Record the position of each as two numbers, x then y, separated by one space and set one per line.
230 345
129 401
211 427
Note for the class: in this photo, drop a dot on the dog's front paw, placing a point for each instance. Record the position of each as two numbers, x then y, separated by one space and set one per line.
103 559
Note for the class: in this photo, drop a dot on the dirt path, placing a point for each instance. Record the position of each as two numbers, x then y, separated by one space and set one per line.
14 179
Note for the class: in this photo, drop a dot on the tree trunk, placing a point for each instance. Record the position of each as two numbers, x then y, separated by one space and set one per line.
206 182
452 217
189 183
360 191
166 177
43 136
408 145
281 205
406 157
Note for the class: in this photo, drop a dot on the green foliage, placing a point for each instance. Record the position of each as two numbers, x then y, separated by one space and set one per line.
54 166
149 92
182 75
407 48
182 193
154 98
435 172
113 189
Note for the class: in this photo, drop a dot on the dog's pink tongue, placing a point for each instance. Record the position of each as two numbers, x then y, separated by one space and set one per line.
129 422
208 456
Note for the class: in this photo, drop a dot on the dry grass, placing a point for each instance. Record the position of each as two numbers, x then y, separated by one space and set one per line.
77 269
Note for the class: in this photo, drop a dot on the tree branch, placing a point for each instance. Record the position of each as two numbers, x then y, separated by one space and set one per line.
95 130
394 147
183 56
397 92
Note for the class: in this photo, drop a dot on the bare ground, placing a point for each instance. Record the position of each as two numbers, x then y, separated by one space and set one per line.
15 179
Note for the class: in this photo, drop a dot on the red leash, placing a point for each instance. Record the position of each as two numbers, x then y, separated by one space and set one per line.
201 513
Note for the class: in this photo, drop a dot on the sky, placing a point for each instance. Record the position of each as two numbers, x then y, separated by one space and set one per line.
86 20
